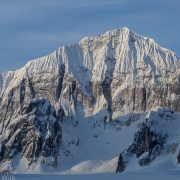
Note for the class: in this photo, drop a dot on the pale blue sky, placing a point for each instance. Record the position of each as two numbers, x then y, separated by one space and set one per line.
31 29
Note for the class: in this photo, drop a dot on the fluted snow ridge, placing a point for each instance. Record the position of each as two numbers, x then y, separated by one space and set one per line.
132 53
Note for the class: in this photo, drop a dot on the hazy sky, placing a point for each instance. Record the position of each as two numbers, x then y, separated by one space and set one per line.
35 28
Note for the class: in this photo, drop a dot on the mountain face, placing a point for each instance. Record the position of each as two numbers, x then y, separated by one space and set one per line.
83 96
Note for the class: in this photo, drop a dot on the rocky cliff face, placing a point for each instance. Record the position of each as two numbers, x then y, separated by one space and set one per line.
157 136
34 132
107 76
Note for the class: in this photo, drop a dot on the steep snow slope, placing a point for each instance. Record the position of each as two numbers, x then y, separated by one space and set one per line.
97 90
5 79
119 60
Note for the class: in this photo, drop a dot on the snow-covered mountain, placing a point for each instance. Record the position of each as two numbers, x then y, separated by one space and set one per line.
88 102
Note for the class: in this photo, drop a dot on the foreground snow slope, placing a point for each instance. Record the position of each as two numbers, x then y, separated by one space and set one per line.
171 175
81 106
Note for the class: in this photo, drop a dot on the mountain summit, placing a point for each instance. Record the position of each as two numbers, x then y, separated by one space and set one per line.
89 97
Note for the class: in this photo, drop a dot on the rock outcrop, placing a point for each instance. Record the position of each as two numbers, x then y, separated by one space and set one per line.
156 136
34 133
